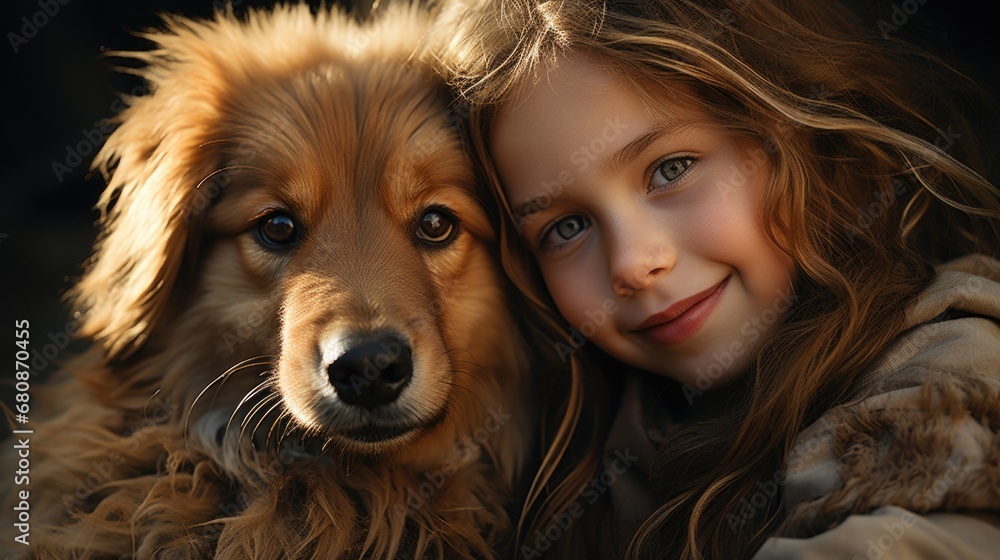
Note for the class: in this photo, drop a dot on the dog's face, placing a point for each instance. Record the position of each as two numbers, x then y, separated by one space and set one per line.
352 200
309 209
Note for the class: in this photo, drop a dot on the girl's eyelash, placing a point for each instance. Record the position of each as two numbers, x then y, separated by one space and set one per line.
543 237
548 230
660 162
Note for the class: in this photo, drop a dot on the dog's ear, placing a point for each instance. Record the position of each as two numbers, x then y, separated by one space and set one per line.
159 165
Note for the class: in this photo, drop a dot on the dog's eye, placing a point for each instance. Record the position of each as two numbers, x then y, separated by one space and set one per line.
436 225
277 230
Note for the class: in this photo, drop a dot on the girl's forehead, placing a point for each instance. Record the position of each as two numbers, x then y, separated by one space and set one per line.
576 77
580 123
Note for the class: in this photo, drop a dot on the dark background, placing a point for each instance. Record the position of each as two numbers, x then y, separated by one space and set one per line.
58 85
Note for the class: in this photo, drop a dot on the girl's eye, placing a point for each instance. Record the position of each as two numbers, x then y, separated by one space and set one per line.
564 229
277 231
669 171
436 226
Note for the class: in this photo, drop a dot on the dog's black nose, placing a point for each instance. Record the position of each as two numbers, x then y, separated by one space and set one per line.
373 371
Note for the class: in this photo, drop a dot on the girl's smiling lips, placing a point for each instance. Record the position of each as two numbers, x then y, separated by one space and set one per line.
683 318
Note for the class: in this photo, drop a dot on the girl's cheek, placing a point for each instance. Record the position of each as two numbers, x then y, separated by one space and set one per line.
572 289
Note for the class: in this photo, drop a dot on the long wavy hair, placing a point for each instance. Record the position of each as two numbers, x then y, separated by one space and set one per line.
867 192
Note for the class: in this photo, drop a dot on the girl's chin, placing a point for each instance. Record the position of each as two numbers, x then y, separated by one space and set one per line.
717 371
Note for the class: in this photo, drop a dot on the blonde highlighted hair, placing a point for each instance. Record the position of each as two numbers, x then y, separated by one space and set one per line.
867 193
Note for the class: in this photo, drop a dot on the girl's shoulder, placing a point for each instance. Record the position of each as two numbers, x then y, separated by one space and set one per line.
953 329
918 436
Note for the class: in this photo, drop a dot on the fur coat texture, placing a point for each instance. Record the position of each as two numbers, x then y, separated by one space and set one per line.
912 469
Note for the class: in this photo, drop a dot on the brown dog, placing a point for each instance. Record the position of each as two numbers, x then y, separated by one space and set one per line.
302 343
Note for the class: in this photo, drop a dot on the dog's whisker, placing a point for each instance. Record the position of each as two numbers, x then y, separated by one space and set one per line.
277 403
266 383
468 417
455 424
243 401
489 373
258 405
219 141
145 407
250 394
328 441
288 429
467 389
324 446
223 169
245 364
278 420
254 409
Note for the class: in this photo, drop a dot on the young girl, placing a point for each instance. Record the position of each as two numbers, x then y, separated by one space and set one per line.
752 217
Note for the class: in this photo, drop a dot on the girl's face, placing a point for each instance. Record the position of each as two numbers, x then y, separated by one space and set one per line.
645 223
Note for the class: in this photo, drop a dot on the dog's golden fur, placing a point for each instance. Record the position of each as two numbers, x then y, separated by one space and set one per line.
202 423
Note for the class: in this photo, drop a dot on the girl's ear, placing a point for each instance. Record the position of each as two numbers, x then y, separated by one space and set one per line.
159 174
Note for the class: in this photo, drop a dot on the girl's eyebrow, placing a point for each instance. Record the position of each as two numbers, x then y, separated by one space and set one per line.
627 153
620 158
538 203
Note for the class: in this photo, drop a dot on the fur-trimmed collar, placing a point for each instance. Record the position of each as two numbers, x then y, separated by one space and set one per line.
923 431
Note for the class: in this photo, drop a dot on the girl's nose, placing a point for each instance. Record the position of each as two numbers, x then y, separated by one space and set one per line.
634 267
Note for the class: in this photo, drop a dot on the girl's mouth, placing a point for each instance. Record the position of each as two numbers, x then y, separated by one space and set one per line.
682 319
